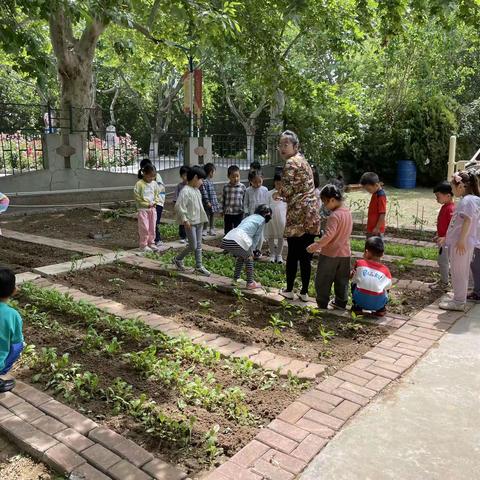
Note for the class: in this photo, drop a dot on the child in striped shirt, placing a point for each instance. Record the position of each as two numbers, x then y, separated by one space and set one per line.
233 196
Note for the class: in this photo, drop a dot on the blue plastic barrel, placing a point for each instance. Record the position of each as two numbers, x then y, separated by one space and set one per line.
406 174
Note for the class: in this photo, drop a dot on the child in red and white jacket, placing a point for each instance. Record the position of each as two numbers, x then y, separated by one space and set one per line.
371 280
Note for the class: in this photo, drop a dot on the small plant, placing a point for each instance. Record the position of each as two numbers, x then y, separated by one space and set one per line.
239 295
278 324
116 282
210 442
205 304
210 286
326 335
75 263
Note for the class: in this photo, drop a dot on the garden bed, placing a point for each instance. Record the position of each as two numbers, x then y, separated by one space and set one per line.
408 233
23 256
181 401
287 331
103 229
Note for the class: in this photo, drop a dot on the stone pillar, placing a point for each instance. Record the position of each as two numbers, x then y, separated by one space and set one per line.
198 150
64 151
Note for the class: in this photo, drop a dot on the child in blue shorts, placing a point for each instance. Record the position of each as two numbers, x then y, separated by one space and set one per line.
11 337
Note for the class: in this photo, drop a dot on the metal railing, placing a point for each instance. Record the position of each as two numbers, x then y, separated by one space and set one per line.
20 152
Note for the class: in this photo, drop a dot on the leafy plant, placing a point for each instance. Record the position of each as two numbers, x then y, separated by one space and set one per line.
210 443
326 335
278 324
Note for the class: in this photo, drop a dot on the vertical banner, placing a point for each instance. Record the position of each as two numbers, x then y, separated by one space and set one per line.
198 101
187 92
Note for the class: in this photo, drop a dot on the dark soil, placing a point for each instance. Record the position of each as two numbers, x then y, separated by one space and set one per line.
23 256
263 404
408 233
244 320
79 225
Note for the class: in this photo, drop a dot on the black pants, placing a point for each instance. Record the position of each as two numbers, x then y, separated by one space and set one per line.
159 209
232 221
332 271
181 232
297 252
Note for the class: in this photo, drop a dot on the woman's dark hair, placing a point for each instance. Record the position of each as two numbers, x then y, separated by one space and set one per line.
265 211
232 169
375 245
7 282
277 177
144 162
209 168
443 187
469 179
195 171
316 176
184 170
369 178
331 191
292 136
148 168
254 173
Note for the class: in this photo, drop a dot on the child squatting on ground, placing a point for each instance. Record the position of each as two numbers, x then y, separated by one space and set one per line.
233 195
11 337
147 196
334 247
191 214
275 229
377 208
240 241
183 175
256 194
161 201
462 236
209 199
371 280
444 195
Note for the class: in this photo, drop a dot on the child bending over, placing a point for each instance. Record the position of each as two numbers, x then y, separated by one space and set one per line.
191 214
240 241
11 337
371 280
334 247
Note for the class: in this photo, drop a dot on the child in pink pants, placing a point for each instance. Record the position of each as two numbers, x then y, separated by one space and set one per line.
147 196
462 236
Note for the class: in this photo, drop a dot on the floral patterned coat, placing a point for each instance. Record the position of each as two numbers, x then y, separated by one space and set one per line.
298 190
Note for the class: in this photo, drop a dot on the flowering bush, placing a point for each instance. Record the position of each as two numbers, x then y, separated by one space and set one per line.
121 152
20 151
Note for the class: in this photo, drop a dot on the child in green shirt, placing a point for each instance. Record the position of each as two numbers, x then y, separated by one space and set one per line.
11 337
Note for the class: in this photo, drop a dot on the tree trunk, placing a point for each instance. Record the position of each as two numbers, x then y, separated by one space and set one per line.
250 147
154 146
275 127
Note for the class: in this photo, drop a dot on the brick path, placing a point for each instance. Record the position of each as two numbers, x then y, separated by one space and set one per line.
71 443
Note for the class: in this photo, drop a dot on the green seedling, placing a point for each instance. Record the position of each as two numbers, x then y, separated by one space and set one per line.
326 335
278 324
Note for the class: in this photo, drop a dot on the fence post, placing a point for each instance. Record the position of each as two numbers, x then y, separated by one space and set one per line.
451 157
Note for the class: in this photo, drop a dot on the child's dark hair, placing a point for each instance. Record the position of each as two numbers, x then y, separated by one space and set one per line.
253 174
256 166
277 177
209 168
292 136
369 178
375 245
195 171
148 168
232 169
263 210
184 170
316 176
443 187
145 162
469 179
7 282
331 191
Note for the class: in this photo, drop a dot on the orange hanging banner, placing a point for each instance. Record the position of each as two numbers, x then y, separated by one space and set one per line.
187 92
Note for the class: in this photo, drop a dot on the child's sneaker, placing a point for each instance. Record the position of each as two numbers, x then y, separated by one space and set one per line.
380 313
253 286
159 243
212 233
202 271
287 295
147 249
179 264
273 259
204 233
333 306
153 247
279 259
453 306
7 385
473 297
183 240
304 297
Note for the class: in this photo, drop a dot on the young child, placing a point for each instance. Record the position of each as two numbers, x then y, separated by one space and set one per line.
256 194
4 202
444 195
147 195
371 280
461 236
232 199
240 241
275 229
183 175
11 337
160 204
256 167
334 259
377 208
209 199
191 214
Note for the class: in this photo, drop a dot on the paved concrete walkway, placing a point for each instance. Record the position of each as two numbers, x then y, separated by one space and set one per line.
423 428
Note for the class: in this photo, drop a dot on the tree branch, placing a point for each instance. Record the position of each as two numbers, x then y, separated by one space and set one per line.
137 100
153 14
292 43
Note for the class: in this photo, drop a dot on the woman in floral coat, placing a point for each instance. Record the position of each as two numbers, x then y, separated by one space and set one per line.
303 218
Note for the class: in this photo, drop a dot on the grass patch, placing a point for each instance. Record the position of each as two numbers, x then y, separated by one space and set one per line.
407 251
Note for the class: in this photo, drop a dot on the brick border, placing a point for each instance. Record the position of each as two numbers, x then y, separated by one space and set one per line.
289 443
71 443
